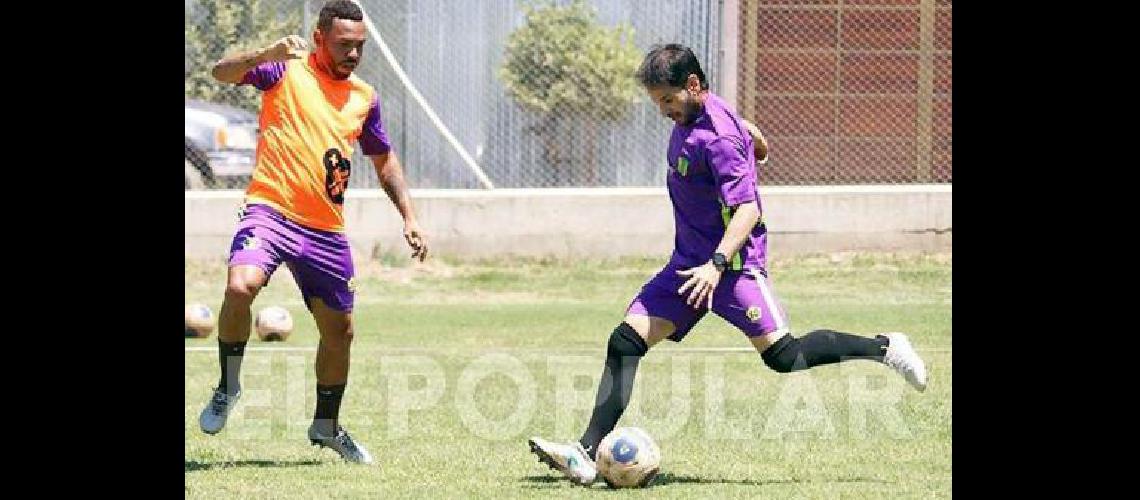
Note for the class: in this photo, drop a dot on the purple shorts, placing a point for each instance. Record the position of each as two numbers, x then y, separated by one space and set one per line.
321 261
743 298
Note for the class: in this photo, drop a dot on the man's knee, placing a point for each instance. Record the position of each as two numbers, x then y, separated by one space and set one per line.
624 341
335 326
242 290
784 355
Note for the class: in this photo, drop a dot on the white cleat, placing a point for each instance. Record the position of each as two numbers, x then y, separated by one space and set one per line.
569 459
213 416
904 359
341 443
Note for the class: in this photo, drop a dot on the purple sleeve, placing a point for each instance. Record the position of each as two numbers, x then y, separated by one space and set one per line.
265 75
735 177
373 138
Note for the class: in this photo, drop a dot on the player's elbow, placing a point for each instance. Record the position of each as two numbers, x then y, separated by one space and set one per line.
750 210
220 74
761 150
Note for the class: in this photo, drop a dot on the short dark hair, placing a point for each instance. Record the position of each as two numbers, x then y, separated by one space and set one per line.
338 9
670 65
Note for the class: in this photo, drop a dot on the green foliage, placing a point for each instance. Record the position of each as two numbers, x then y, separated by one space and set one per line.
563 61
215 28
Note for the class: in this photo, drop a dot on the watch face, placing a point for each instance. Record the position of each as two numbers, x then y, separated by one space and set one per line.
720 261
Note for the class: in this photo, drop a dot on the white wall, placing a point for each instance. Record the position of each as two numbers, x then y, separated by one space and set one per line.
607 222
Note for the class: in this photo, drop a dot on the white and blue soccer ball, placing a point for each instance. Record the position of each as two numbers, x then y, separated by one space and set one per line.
273 323
199 321
628 458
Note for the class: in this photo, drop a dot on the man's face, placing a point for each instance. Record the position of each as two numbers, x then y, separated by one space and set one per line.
680 104
340 48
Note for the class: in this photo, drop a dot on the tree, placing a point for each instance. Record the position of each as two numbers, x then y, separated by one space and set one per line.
574 73
215 28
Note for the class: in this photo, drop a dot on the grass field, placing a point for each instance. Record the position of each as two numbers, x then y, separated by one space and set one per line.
455 365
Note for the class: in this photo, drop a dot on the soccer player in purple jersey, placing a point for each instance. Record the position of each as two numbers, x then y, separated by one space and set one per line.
718 262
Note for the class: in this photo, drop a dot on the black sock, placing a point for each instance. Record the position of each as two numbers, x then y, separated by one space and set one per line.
821 347
229 358
623 355
328 407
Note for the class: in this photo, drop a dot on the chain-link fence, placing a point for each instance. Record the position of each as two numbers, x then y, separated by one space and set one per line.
849 91
539 98
221 119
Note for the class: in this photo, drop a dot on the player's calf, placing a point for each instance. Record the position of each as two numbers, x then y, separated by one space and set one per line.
821 347
623 354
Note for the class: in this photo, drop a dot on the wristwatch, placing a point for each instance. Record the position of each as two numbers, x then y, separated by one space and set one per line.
720 261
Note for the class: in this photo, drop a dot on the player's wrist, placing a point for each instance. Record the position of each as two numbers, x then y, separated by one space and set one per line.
719 262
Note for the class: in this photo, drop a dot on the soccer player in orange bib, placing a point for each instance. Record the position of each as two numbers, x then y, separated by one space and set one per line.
313 110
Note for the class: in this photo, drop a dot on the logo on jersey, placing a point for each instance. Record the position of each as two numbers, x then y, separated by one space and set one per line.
754 313
352 284
337 170
250 243
682 165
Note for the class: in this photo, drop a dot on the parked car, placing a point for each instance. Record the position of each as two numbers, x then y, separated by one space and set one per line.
220 144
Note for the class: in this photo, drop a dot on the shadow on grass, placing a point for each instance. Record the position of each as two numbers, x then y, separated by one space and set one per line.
550 481
194 465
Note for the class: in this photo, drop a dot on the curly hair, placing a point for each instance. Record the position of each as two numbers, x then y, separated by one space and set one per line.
338 9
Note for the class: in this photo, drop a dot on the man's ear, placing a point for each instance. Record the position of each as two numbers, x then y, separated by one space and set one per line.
693 84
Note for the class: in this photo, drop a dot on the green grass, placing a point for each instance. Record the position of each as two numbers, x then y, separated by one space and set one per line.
727 426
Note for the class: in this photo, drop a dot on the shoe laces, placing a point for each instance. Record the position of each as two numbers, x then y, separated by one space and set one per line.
345 440
219 403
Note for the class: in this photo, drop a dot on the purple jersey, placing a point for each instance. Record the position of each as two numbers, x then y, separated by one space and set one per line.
712 169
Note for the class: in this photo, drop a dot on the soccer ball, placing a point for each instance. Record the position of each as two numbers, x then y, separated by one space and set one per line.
273 323
628 458
199 321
